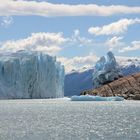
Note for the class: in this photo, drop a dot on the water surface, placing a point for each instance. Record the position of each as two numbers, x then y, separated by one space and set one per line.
66 120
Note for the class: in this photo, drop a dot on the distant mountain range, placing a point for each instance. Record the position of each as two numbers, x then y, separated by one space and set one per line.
80 80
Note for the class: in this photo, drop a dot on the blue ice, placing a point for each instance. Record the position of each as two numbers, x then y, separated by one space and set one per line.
95 98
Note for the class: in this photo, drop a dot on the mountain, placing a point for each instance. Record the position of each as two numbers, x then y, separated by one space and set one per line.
130 66
75 82
78 81
127 87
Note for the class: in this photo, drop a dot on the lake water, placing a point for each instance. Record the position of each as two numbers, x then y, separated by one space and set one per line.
66 120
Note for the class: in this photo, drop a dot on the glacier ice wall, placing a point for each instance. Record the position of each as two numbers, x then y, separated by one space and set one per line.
106 70
30 75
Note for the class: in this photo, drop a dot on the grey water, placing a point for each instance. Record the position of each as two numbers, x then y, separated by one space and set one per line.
61 119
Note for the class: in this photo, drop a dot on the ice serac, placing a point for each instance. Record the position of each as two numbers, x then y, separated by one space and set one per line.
106 70
30 75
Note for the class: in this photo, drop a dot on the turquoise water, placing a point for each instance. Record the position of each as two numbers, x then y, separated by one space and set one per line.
66 120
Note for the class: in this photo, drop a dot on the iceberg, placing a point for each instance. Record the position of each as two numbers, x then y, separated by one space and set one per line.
30 75
95 98
106 70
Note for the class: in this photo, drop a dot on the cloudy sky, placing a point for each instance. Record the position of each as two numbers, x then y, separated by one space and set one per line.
78 32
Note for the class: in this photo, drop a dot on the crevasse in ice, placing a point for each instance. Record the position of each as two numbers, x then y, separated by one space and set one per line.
30 75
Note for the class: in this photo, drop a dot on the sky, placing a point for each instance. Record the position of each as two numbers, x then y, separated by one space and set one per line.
78 32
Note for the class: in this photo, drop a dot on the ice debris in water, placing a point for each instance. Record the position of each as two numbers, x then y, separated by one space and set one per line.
95 98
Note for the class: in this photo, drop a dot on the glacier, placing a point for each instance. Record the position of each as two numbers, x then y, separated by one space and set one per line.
127 66
27 74
106 70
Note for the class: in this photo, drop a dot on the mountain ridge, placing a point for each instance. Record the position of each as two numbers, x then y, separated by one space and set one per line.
80 80
127 87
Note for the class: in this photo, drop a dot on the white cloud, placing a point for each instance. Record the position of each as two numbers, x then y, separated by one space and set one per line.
124 59
114 43
78 62
76 33
47 42
50 43
135 45
77 40
114 28
20 7
7 21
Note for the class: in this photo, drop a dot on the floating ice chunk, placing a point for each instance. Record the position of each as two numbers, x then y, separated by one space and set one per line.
95 98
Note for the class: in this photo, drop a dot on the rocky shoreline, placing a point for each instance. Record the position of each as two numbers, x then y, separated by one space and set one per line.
127 87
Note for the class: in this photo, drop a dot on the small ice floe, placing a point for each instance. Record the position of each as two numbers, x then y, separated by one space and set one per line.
95 98
64 98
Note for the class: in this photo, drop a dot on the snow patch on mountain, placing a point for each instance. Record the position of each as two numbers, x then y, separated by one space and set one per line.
80 80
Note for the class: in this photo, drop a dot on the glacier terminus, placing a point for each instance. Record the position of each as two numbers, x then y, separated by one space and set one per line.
27 74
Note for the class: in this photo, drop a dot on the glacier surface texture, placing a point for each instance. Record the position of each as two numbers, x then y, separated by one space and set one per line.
30 75
106 70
